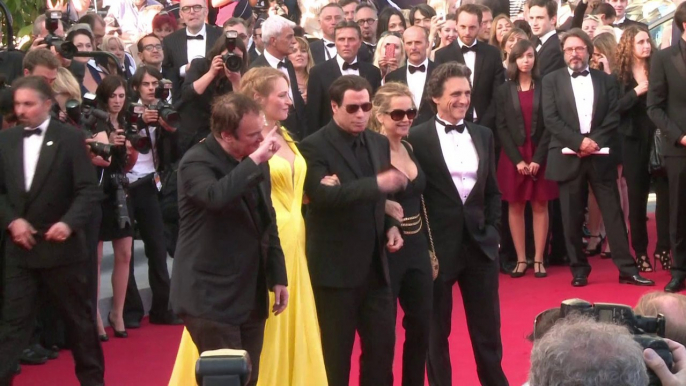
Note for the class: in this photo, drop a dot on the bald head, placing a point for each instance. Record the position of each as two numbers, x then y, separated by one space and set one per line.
416 40
672 306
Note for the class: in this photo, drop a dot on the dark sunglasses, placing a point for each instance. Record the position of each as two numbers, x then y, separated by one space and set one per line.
352 109
398 115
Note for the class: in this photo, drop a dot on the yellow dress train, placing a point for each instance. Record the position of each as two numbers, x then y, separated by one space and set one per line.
292 352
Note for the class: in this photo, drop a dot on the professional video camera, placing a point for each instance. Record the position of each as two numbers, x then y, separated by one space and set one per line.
52 22
85 116
233 62
142 143
164 109
224 367
648 331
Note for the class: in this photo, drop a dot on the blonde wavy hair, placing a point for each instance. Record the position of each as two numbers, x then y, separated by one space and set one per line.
380 48
65 83
494 39
381 103
260 81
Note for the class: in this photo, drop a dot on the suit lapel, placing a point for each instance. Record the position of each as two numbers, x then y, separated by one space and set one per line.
537 103
210 38
18 167
597 84
429 69
678 60
45 159
182 52
481 152
345 151
373 154
458 52
568 92
478 62
514 95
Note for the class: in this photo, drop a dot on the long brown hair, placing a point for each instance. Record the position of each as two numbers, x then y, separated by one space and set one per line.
625 57
518 50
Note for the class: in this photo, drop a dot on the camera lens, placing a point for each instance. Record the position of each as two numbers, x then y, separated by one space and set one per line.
233 62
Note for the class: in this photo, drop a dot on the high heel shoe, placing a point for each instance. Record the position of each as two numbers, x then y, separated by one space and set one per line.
515 274
117 334
104 338
539 274
598 247
643 263
665 259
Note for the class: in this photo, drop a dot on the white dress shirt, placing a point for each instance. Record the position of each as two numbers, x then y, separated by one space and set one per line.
545 38
195 48
32 147
274 63
417 81
329 52
469 61
583 96
348 71
460 157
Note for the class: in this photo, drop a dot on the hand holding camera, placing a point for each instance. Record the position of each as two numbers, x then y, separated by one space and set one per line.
660 368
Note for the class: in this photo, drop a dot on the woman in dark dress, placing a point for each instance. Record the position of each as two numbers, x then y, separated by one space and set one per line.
637 131
410 267
521 168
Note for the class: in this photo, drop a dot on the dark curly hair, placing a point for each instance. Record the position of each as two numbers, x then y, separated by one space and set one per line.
624 59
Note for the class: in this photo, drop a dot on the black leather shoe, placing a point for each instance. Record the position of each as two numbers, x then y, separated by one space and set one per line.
675 285
579 281
42 351
635 280
132 323
17 369
30 357
168 319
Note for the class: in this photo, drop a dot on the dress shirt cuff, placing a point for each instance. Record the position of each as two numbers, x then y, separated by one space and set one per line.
678 143
182 71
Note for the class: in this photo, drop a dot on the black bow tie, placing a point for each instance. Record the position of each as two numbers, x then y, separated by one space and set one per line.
449 127
414 69
30 132
576 74
196 37
353 66
466 49
330 45
281 64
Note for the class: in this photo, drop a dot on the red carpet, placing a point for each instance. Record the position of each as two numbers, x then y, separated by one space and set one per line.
147 356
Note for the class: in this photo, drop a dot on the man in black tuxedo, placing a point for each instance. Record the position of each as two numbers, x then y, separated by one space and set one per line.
257 46
463 206
348 40
367 18
581 112
347 234
543 19
47 190
417 71
483 60
279 40
621 21
228 254
184 45
666 107
326 49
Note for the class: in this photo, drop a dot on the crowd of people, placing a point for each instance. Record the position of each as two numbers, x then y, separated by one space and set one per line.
309 177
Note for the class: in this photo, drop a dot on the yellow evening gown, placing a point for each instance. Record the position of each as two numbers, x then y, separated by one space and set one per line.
292 352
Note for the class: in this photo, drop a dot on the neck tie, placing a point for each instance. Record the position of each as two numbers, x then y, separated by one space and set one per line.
577 74
414 69
449 127
362 157
30 132
347 66
466 49
196 37
281 64
331 45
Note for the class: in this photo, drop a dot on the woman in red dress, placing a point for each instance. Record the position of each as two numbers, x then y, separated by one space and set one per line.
524 141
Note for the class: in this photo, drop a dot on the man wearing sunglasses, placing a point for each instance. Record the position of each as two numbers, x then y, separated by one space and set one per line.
348 233
463 205
150 51
417 71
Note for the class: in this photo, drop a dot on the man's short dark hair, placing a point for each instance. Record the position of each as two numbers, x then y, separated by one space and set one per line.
140 73
436 84
35 83
680 16
343 3
364 5
40 57
228 111
347 24
549 5
235 21
424 9
606 10
346 83
140 45
330 5
484 9
91 19
471 9
577 33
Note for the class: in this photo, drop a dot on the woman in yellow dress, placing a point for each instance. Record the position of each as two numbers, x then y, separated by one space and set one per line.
292 352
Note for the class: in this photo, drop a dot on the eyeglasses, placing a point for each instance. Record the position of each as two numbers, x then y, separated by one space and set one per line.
398 115
195 8
571 50
153 47
352 109
369 21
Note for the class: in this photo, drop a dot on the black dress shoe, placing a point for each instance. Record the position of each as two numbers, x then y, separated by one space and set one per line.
17 369
168 319
42 351
30 357
579 281
635 280
675 285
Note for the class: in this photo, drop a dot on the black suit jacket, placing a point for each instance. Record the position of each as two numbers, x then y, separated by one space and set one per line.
227 256
510 123
562 121
448 215
550 56
321 77
488 76
337 250
176 55
667 97
319 53
425 111
64 189
296 122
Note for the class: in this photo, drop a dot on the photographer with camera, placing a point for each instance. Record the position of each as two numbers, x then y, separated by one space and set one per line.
48 33
217 74
145 182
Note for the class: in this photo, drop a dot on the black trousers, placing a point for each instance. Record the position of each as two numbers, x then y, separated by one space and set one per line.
573 196
148 216
412 285
68 288
367 310
676 173
212 335
477 277
635 159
